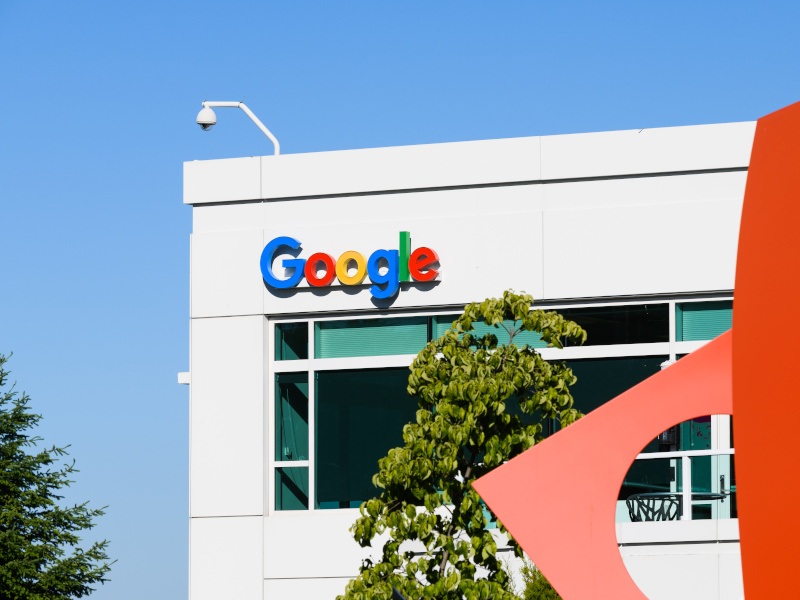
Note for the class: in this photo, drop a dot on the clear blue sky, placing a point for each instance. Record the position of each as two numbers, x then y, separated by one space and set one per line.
98 101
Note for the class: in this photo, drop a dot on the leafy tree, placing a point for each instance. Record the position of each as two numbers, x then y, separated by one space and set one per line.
536 585
39 553
480 404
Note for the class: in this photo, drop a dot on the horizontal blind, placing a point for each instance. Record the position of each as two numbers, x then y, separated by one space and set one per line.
370 337
697 321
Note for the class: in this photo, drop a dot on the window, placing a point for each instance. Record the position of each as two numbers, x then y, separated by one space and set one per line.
702 320
697 467
291 341
339 403
627 324
370 337
364 412
338 399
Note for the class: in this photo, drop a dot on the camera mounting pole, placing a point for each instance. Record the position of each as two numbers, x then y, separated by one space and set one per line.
207 119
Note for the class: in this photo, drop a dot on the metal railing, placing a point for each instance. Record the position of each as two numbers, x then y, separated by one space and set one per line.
661 505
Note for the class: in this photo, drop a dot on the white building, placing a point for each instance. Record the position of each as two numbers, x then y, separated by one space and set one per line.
297 390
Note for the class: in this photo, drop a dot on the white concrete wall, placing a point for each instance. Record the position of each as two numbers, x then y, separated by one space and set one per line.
639 236
225 558
587 155
227 417
312 543
642 236
684 559
562 217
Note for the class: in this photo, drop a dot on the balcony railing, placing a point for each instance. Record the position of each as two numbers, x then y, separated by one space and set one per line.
684 484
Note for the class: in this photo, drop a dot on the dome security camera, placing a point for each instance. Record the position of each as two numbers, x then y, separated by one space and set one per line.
206 119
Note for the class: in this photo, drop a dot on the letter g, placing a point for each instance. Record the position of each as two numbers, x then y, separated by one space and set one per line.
268 257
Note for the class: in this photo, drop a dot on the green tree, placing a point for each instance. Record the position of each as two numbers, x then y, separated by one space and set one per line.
536 585
40 556
480 403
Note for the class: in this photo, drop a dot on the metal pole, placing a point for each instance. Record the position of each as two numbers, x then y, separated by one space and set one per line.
249 113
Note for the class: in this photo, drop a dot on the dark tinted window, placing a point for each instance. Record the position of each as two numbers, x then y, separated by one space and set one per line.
360 416
638 324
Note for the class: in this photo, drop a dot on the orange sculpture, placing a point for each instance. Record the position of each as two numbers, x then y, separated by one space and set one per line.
558 499
765 394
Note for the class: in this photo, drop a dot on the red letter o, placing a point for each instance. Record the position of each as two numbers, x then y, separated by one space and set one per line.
311 269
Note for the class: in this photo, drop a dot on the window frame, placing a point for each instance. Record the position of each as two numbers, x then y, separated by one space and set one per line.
671 348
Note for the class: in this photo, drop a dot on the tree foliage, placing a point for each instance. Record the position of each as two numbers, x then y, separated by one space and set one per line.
40 556
536 585
480 404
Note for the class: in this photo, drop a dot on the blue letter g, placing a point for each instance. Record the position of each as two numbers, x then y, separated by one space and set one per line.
268 257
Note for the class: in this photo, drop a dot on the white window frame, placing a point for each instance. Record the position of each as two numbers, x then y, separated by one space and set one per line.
671 348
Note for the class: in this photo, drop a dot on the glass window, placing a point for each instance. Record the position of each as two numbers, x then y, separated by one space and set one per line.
360 413
370 337
291 341
529 338
363 412
604 325
291 416
638 324
442 323
695 434
650 476
601 379
697 321
291 488
660 481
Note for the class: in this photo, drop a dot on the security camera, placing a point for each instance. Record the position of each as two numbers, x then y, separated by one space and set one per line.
206 119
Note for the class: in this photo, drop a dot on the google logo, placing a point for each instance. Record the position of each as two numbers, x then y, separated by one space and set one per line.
384 268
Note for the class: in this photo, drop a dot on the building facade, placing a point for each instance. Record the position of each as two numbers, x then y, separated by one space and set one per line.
316 278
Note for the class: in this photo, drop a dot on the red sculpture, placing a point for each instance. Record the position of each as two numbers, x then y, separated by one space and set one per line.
558 499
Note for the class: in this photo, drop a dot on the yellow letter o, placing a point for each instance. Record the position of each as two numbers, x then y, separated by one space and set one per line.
343 264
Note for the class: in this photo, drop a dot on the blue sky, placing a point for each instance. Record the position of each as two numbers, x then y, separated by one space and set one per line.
99 100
